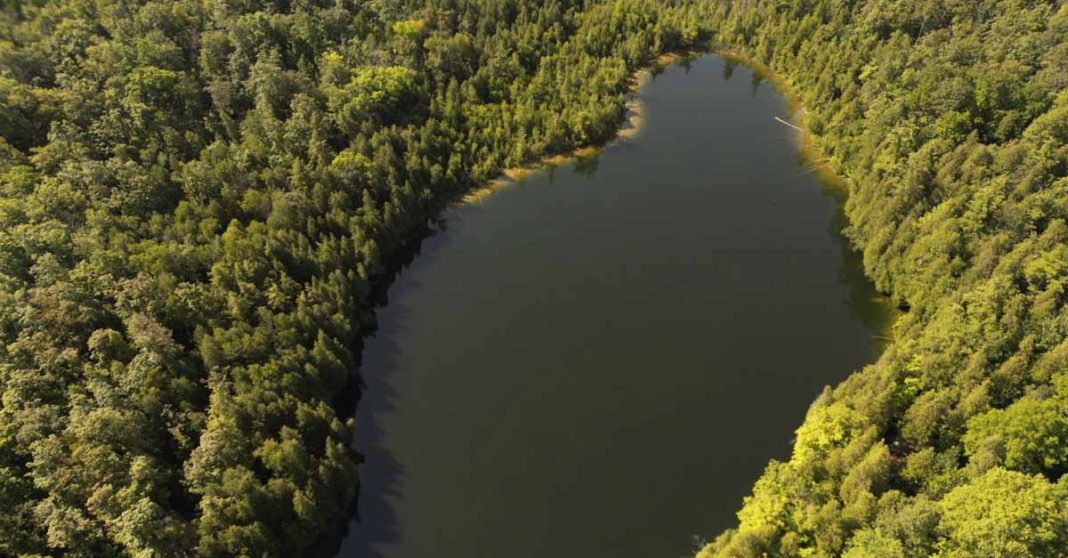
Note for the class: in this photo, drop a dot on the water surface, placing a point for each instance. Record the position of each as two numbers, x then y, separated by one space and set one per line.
600 361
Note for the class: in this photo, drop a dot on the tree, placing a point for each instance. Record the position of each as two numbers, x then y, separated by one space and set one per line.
1004 513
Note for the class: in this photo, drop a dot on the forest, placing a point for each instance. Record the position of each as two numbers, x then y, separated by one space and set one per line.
199 199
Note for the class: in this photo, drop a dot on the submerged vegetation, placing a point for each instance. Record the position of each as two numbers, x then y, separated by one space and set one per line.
196 198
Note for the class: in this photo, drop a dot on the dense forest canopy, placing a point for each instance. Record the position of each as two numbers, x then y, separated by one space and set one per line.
197 198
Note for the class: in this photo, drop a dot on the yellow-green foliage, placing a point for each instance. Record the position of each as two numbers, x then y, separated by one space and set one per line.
1004 513
948 121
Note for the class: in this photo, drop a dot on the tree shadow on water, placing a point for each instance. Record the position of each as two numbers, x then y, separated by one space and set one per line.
375 521
372 521
587 165
755 81
866 304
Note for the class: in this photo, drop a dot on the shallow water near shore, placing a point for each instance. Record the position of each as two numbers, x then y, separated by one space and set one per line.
600 360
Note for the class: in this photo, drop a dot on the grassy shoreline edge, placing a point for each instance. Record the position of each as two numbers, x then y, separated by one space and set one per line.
629 127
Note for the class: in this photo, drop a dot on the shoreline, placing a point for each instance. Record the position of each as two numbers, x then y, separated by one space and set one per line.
808 147
634 120
835 184
631 125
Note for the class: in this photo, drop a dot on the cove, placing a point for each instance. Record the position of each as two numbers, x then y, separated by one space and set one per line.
600 360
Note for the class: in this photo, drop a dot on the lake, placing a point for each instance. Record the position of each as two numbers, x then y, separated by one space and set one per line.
600 360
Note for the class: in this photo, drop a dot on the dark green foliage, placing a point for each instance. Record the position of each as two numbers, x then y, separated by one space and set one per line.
196 198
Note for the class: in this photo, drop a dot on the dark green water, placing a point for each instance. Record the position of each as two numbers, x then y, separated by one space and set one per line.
599 361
